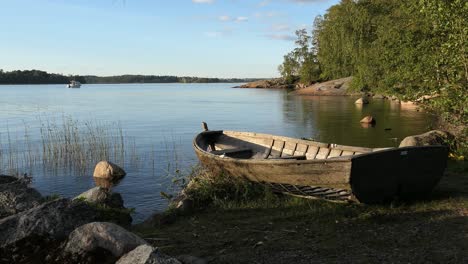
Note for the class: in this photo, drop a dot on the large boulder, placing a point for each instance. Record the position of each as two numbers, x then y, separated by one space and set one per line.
434 137
146 254
101 196
100 239
110 205
29 236
7 179
108 170
16 196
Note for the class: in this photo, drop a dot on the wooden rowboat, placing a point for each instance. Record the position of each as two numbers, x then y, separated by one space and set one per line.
322 170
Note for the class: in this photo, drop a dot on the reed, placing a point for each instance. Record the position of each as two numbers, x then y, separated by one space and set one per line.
65 144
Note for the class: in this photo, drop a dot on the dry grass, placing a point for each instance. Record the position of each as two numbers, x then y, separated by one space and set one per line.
292 230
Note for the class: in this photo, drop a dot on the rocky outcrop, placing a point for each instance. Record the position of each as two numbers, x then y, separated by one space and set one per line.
269 84
187 259
108 170
16 196
146 254
434 137
66 231
333 87
32 235
99 239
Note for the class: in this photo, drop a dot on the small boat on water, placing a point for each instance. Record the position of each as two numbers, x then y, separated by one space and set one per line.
74 84
322 170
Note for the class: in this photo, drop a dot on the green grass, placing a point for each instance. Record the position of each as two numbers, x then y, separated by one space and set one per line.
264 228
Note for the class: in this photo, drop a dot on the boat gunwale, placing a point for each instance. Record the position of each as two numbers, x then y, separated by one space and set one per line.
347 158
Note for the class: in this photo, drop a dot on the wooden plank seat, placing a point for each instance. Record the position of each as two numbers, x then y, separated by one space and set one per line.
234 153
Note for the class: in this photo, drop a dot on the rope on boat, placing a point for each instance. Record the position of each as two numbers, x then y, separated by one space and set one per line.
314 192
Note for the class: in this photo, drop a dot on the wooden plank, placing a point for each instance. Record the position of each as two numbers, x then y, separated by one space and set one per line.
276 149
334 153
352 148
312 152
347 153
241 153
323 153
301 149
230 151
289 148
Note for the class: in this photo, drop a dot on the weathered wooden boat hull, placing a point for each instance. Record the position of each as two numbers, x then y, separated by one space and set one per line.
369 175
406 173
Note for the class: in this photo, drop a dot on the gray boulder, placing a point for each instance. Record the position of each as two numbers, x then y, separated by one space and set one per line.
101 236
30 236
146 254
16 196
187 259
110 205
434 137
7 179
102 196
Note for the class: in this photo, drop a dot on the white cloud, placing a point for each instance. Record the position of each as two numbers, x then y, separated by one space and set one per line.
203 1
269 14
213 34
219 33
242 19
280 27
224 18
264 3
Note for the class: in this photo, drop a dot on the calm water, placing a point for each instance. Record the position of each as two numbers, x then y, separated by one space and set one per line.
162 119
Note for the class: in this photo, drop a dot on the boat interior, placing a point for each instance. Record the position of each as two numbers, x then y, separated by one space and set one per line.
246 145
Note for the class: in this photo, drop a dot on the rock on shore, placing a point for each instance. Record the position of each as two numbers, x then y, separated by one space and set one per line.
334 87
434 137
34 230
270 84
16 196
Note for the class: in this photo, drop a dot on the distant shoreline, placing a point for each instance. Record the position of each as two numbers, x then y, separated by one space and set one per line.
20 84
32 77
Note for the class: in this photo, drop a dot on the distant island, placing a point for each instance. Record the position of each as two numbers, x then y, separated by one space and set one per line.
42 77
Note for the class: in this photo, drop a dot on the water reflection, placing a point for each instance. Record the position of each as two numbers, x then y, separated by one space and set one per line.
337 120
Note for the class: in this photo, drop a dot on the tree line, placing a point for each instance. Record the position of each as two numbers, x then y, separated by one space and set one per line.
35 77
42 77
405 48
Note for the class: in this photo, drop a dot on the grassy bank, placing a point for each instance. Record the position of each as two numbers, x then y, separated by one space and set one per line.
264 228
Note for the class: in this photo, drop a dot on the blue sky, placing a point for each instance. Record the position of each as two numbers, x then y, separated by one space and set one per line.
206 38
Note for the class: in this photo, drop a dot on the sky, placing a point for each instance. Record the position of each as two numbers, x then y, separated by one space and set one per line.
204 38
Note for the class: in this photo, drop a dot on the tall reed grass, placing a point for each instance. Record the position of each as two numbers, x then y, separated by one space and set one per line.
65 144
